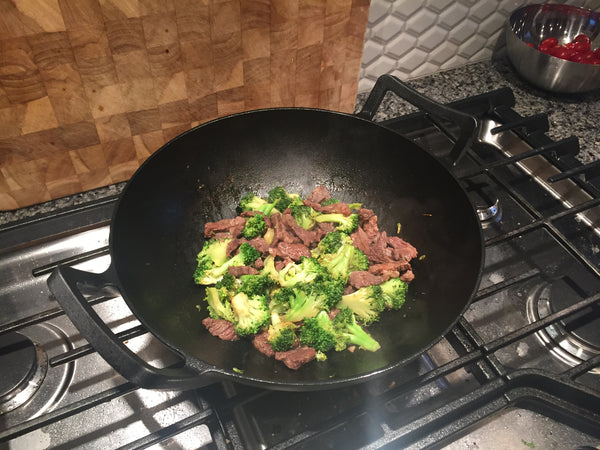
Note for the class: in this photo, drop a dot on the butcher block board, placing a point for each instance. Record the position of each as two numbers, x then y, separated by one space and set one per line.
90 88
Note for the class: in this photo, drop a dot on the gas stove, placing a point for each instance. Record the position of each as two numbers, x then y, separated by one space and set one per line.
520 369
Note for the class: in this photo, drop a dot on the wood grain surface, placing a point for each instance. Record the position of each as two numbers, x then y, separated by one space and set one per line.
90 88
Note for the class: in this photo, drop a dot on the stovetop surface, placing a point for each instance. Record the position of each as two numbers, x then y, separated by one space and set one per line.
492 379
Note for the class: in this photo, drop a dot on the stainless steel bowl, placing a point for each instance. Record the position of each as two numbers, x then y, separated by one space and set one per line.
534 23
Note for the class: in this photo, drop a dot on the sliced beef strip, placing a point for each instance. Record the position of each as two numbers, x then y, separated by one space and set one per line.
238 271
341 208
260 244
231 226
314 205
319 194
362 278
293 251
365 214
220 328
282 232
296 358
307 237
407 276
402 249
398 266
261 343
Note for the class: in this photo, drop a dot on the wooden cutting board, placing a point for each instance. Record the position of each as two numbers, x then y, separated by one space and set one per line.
90 88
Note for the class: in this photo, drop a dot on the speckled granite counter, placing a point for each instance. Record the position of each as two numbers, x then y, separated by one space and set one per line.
569 115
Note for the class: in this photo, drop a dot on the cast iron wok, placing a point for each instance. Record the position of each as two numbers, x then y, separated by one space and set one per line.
157 230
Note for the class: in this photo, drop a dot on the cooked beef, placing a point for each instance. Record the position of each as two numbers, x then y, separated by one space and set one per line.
314 205
407 276
349 290
319 194
238 271
220 328
260 244
402 249
293 251
307 237
280 264
295 358
233 245
365 214
261 343
370 227
259 264
341 208
362 278
361 240
233 227
282 232
396 266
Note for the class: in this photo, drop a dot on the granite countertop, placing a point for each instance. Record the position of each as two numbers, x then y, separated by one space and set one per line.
568 114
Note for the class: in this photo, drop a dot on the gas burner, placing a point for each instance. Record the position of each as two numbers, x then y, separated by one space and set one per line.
571 340
29 385
24 365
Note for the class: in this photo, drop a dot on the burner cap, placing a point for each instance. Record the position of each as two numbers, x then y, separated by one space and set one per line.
23 369
572 340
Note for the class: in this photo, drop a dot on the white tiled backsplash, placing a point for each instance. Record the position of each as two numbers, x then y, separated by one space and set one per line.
414 38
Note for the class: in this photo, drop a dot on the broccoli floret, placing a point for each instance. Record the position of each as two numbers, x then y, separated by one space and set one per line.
212 255
367 303
349 332
280 300
394 292
329 201
255 226
218 304
228 282
245 257
345 260
304 272
331 243
303 214
309 299
252 202
250 313
280 198
318 332
255 284
269 268
282 335
347 224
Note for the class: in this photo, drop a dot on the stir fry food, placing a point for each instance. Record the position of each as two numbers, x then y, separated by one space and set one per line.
301 277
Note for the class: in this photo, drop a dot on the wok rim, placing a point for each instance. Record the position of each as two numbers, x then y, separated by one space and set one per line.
205 369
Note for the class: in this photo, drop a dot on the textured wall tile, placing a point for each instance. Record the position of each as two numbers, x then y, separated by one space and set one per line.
414 38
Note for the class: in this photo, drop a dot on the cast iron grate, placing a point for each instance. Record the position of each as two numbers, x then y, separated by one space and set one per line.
225 407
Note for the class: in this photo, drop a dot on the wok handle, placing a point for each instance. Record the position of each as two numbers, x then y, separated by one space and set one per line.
437 112
64 283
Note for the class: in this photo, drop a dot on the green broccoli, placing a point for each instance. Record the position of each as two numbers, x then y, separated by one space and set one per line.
280 300
303 214
318 332
246 256
394 292
250 313
347 224
212 255
219 306
345 260
228 282
329 201
280 198
304 272
282 334
367 303
252 202
255 226
349 332
330 243
309 299
255 284
269 268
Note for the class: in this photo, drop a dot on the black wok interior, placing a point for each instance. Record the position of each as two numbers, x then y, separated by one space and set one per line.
200 176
